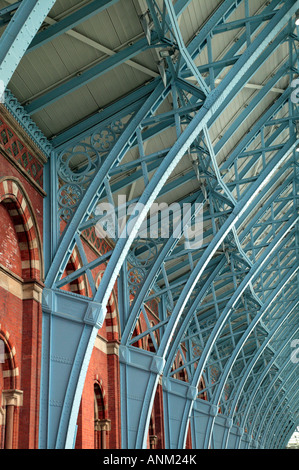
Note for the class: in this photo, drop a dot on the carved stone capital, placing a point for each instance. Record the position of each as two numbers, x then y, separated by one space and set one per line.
102 425
12 397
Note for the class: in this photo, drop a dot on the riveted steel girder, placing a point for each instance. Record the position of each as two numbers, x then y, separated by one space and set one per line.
19 33
69 22
186 292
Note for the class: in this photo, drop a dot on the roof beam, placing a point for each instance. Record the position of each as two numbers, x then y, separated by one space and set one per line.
19 33
7 12
251 107
121 107
95 71
229 162
70 22
225 9
200 40
83 38
77 35
87 76
221 28
180 6
182 48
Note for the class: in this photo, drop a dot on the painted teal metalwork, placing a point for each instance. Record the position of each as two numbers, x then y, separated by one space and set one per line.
229 315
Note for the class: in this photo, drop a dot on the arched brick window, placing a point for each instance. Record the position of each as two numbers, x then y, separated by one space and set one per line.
14 200
79 285
102 423
11 397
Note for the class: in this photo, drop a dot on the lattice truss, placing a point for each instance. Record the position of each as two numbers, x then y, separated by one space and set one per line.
213 318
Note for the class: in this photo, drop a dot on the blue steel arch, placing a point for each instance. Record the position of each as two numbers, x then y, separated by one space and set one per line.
231 203
269 389
280 389
268 409
216 330
258 353
265 390
283 409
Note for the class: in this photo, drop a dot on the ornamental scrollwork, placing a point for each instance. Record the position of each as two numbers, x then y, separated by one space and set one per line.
78 165
140 260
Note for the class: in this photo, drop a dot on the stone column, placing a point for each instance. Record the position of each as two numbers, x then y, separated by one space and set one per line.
2 424
103 426
153 441
11 399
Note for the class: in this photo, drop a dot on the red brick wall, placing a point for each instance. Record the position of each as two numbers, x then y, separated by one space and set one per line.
20 314
33 195
10 256
30 372
103 370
